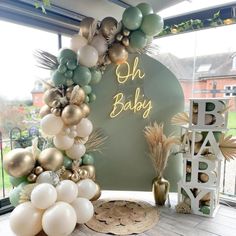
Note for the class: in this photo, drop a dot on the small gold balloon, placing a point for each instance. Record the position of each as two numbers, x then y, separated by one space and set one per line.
125 41
85 25
118 53
56 104
56 111
68 92
85 109
32 178
38 170
80 97
51 95
97 194
204 177
75 177
108 26
90 170
83 174
119 37
18 162
126 32
72 115
44 110
51 159
66 174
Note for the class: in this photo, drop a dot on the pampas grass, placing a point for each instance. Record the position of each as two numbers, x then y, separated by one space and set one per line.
159 146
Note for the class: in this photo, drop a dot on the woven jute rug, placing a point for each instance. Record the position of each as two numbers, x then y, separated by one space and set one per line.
123 217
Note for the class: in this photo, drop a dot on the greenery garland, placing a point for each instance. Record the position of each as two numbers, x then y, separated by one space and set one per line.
43 4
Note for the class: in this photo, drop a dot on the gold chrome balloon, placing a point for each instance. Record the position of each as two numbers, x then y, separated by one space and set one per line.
83 174
56 111
56 104
91 171
66 174
80 97
45 110
51 95
97 194
38 170
32 178
85 109
51 159
126 32
85 25
125 41
118 53
75 177
72 115
18 162
68 92
108 26
119 37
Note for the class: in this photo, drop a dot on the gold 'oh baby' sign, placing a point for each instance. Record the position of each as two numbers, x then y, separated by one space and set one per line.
138 103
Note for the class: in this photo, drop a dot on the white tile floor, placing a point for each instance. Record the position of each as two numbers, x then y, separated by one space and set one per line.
170 223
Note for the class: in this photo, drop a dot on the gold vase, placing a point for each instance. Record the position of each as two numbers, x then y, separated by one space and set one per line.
160 188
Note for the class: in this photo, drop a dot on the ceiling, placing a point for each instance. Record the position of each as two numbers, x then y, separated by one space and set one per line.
102 8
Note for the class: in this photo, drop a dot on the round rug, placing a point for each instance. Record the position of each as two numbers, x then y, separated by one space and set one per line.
123 217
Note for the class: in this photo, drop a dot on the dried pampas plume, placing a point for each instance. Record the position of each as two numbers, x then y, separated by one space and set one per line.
159 146
227 145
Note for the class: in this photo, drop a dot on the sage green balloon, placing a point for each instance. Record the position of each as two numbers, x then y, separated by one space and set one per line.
71 64
14 195
96 76
132 18
62 68
88 159
82 76
152 24
138 39
67 54
17 181
145 8
205 210
68 74
87 89
67 162
92 97
202 165
58 78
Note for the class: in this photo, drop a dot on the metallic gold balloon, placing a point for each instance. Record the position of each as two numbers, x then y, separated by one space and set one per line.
66 174
91 171
68 92
83 174
75 177
80 97
119 37
56 104
51 95
18 162
118 53
85 109
204 177
51 159
45 110
126 32
56 111
98 193
85 26
32 178
125 41
72 115
108 26
38 170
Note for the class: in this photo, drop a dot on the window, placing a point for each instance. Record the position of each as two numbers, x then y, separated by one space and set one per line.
204 68
230 91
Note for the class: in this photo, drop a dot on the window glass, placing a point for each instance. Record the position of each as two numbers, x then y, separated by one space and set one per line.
21 87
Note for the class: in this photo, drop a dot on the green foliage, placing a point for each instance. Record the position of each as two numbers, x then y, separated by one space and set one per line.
43 4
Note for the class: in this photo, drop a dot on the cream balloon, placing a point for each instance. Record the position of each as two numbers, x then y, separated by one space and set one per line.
88 56
67 191
76 151
84 128
59 219
63 142
84 210
51 124
100 43
26 220
77 42
43 196
86 189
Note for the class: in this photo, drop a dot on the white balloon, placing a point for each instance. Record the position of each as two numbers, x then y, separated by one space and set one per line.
49 177
59 219
76 151
43 196
67 191
26 220
51 124
88 56
84 128
63 142
100 43
77 42
84 210
87 189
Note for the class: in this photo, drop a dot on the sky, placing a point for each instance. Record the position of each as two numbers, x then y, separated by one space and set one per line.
18 70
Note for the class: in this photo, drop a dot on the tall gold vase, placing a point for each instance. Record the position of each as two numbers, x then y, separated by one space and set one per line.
160 188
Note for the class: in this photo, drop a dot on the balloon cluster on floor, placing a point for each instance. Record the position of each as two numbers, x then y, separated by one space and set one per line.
54 186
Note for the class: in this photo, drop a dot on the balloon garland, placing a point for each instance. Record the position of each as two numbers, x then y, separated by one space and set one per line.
54 187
